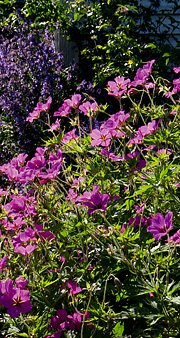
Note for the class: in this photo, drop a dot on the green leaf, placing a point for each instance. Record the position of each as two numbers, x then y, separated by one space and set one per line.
175 288
77 16
174 300
151 45
167 61
142 190
118 329
166 54
99 46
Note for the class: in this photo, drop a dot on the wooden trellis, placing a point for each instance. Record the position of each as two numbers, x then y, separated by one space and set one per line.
165 21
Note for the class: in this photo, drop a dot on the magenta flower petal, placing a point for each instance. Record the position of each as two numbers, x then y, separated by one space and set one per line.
25 250
160 226
62 314
47 235
21 283
73 287
3 262
6 286
176 69
20 302
6 300
175 238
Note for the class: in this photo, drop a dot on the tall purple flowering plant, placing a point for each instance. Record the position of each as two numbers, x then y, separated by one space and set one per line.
30 71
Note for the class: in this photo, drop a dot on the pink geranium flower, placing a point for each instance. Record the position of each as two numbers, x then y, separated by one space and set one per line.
150 128
115 123
54 158
37 162
21 282
74 321
118 87
27 175
176 69
102 138
11 172
173 91
3 262
138 220
24 236
69 136
142 75
15 226
56 162
55 126
74 101
47 235
62 314
18 161
164 151
175 238
52 172
16 205
94 200
25 250
6 287
3 192
143 131
176 84
72 195
17 301
98 202
64 110
73 287
111 155
38 109
160 226
88 108
138 138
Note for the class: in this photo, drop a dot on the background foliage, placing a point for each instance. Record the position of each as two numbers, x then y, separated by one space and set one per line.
110 39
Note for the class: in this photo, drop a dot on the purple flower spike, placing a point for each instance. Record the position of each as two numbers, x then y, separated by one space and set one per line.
160 226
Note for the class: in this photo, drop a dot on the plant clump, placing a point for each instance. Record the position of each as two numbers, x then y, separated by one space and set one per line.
90 223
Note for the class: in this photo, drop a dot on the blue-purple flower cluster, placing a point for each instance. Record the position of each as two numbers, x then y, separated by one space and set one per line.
30 71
